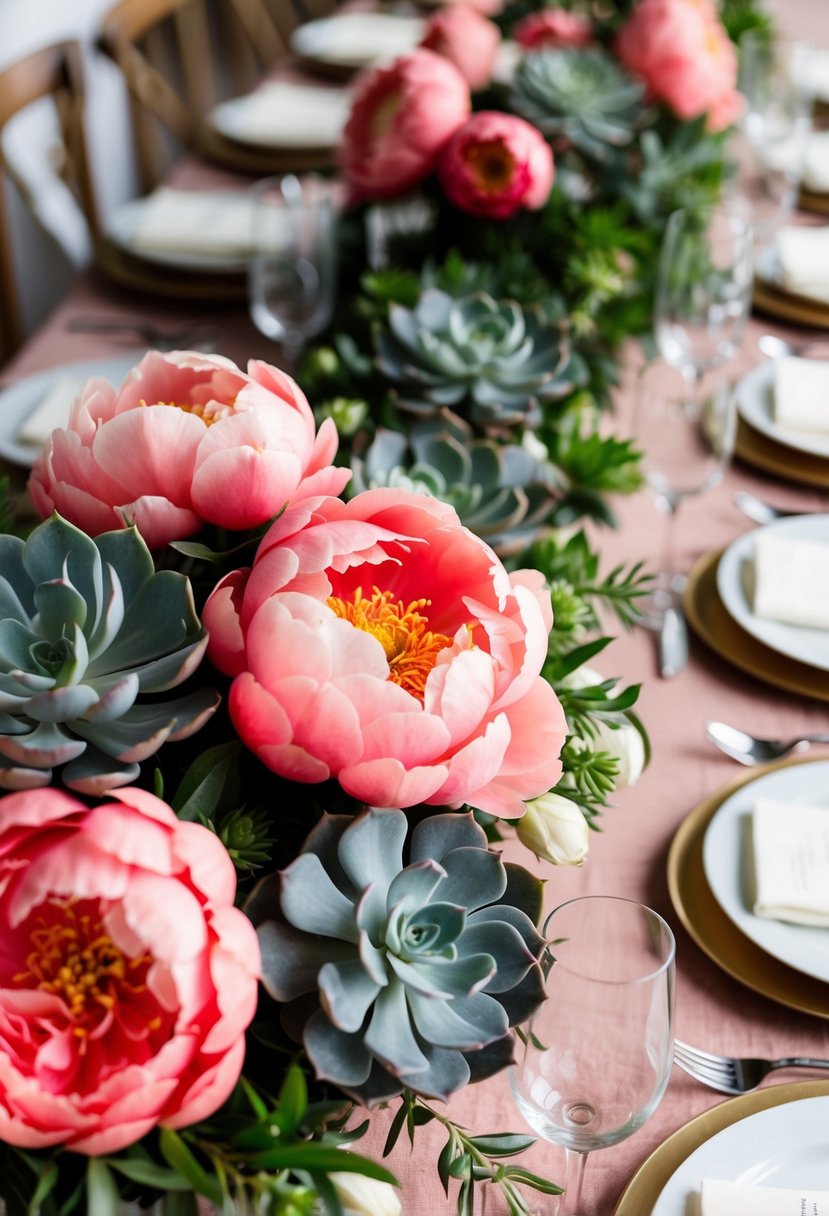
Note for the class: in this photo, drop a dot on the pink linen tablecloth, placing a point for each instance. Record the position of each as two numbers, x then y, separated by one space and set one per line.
628 858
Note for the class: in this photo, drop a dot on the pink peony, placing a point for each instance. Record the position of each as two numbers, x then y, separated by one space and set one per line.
380 642
127 977
684 55
187 439
495 164
553 27
489 8
466 38
401 118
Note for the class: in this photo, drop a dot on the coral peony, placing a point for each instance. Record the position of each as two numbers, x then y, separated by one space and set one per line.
466 38
684 55
496 164
381 643
127 977
551 28
187 439
401 118
489 8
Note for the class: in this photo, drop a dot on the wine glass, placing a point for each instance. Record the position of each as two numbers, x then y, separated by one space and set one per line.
703 290
597 1055
777 81
686 437
291 276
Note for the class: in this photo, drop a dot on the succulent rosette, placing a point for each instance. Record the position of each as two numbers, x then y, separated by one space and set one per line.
381 643
416 971
88 629
188 439
127 977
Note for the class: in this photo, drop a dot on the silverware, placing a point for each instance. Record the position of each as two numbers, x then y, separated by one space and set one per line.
734 1074
759 510
672 642
748 749
774 347
187 337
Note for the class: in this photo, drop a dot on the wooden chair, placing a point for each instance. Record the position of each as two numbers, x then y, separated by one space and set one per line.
56 72
179 58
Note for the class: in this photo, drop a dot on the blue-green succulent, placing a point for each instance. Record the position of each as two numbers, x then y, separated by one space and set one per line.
492 361
88 628
401 975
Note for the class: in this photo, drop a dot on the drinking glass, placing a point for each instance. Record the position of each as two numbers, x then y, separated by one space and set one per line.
777 81
291 276
703 290
597 1055
686 437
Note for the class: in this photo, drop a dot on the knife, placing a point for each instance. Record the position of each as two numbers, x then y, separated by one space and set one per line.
672 643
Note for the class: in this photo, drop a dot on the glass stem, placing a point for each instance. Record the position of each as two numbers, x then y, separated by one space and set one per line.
574 1163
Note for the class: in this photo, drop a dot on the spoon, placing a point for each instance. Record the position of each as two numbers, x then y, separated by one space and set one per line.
759 510
747 749
774 347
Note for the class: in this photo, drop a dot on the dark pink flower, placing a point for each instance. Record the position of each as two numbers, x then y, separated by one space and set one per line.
496 164
466 38
553 27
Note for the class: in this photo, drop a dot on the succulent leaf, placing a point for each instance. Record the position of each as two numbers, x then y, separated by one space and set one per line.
428 958
86 626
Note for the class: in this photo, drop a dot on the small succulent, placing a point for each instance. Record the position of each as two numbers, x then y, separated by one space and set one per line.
413 975
582 95
500 491
86 626
493 360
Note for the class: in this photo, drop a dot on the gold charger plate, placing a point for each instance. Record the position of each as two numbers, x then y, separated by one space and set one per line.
710 621
812 200
647 1184
714 932
767 454
169 282
787 306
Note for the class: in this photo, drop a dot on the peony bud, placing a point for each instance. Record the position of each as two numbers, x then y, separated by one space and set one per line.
362 1196
624 742
555 830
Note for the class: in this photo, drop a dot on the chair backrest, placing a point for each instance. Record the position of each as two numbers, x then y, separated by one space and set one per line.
179 58
55 73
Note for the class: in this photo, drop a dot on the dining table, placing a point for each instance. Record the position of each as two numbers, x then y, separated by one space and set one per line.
630 855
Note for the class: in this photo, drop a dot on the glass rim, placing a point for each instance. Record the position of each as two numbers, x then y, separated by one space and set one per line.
656 917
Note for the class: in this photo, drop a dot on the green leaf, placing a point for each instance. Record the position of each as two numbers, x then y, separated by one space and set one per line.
175 1151
178 1203
395 1129
148 1172
293 1100
102 1198
465 1199
45 1185
259 1108
211 779
310 1155
502 1144
525 1178
459 1167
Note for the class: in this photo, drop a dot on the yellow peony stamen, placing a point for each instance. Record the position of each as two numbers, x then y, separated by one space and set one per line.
209 412
491 164
74 958
401 629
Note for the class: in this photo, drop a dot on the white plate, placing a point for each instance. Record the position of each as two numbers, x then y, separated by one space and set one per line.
23 397
784 1146
726 859
285 115
794 641
123 225
755 403
357 40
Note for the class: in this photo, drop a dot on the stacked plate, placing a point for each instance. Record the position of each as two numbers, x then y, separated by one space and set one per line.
718 604
763 443
340 45
779 288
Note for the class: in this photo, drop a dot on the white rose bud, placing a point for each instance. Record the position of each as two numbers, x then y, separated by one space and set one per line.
624 742
555 830
362 1196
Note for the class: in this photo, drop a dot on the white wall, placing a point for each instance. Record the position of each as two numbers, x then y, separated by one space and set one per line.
50 250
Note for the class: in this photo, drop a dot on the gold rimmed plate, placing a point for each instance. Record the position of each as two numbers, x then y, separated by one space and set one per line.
813 200
761 452
643 1192
714 932
714 625
775 301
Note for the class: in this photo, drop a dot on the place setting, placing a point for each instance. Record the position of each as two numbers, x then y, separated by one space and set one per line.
346 42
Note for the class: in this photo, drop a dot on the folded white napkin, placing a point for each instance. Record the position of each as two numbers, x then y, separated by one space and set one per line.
287 115
816 168
194 221
736 1199
791 863
803 256
801 394
51 411
358 37
791 580
820 74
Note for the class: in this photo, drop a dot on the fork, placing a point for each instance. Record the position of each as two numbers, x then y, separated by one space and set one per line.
734 1074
